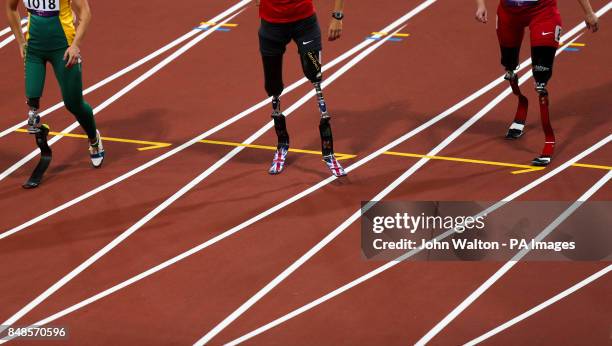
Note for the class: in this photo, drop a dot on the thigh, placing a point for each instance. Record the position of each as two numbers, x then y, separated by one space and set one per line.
35 73
510 28
69 79
273 38
307 35
545 28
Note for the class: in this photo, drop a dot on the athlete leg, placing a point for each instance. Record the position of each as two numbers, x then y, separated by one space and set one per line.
35 74
273 40
308 39
545 35
71 85
543 59
510 35
312 70
273 72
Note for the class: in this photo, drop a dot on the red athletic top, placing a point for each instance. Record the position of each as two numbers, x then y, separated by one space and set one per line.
285 11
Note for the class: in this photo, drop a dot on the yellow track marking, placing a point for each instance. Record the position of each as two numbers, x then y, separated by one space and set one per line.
575 44
528 170
583 165
339 156
229 25
525 168
385 34
149 145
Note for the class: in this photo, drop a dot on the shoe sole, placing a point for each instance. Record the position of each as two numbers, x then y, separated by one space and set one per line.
536 163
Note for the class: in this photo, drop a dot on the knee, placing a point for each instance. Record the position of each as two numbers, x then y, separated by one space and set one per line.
311 65
76 107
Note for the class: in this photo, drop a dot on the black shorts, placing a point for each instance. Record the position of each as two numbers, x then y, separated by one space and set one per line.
274 37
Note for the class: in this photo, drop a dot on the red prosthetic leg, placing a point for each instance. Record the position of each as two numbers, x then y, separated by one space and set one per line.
549 135
517 128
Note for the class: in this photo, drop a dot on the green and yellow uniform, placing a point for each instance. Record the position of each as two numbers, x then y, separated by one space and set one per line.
50 32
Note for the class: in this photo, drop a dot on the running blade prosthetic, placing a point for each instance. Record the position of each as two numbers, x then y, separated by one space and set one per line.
541 161
278 163
515 131
45 158
518 125
334 166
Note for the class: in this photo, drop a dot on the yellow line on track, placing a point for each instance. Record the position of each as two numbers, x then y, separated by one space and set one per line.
385 34
528 170
339 156
575 44
149 145
524 168
228 25
583 165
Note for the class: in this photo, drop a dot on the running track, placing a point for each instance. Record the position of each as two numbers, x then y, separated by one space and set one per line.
393 90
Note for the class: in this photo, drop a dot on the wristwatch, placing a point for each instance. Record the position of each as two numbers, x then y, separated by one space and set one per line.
338 15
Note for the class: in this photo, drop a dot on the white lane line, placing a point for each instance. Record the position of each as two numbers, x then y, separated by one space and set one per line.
215 129
124 91
412 253
508 265
107 248
11 38
133 66
8 29
541 306
331 236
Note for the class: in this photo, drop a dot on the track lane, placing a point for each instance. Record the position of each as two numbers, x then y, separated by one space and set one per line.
314 165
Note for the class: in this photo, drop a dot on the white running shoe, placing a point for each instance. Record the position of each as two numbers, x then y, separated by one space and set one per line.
96 152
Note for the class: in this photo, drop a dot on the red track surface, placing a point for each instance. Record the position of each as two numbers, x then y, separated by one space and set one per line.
395 89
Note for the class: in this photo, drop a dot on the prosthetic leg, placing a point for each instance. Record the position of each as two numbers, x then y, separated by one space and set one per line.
40 132
517 128
273 71
543 59
311 65
510 62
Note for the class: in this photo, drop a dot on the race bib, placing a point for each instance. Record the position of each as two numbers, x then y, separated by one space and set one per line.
517 3
42 5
